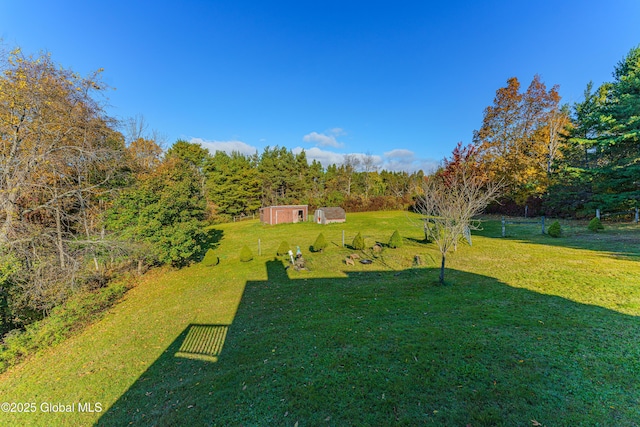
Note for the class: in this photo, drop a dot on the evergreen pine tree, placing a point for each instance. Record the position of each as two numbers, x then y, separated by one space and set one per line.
320 243
283 249
595 225
358 242
555 230
396 240
245 254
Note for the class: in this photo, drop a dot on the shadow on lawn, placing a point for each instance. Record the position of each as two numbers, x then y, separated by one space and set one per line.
621 240
211 240
382 348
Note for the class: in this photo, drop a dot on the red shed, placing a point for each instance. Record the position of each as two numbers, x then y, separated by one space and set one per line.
284 214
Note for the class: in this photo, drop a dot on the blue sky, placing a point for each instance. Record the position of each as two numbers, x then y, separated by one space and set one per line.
403 81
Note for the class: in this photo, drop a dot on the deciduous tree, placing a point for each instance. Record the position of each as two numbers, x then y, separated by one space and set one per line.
59 156
162 215
452 197
520 137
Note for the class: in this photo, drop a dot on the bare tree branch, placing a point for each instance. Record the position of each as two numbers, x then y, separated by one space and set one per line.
452 197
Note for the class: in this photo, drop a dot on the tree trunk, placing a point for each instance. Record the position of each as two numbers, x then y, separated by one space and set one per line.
59 229
85 222
8 204
9 211
59 236
441 278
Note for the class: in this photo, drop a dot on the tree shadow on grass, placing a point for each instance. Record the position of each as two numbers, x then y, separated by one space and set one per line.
414 240
617 240
382 348
212 239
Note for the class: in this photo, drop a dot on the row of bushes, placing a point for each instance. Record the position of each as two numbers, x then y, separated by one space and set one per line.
318 246
555 230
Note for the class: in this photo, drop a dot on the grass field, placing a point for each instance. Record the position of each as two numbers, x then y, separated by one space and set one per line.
529 330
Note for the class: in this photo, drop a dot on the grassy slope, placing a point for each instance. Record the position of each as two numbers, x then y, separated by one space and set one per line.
530 328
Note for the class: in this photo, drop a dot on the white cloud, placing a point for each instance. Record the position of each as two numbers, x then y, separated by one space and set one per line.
399 154
226 146
322 140
394 160
375 160
325 157
406 160
426 165
398 160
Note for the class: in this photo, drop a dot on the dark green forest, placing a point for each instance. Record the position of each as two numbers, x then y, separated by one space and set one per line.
85 198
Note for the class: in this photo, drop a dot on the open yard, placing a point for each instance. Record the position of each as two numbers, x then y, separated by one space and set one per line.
529 330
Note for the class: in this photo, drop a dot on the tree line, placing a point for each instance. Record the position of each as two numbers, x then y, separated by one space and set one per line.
238 184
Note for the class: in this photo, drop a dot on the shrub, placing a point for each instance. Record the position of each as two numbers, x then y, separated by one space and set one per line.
283 249
555 230
245 254
319 244
210 259
64 320
396 240
595 225
358 242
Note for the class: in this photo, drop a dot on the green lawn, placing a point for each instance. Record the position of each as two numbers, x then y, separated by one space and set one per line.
528 330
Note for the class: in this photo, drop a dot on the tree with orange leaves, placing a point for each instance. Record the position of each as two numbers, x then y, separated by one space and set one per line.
521 135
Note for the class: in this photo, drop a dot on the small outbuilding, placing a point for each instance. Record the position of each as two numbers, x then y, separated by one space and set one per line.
328 215
284 214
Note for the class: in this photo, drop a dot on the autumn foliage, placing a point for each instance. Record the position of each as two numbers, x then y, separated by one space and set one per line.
520 137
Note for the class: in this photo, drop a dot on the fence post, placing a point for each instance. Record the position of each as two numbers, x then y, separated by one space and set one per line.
542 224
598 213
637 215
526 211
503 230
